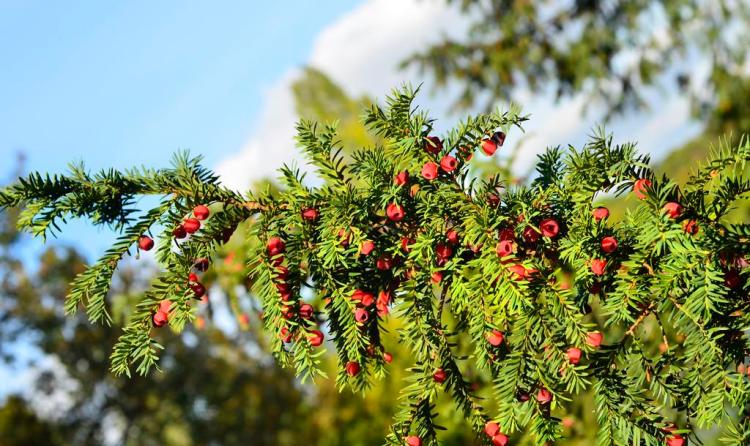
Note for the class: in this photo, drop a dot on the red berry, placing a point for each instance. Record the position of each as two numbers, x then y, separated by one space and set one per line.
452 236
413 190
387 357
405 242
359 295
600 213
401 178
382 308
550 228
179 232
489 147
673 210
191 225
316 338
384 262
282 272
691 227
433 145
413 440
282 287
367 299
495 337
201 264
192 277
491 428
287 312
609 244
165 305
544 396
367 247
285 335
198 289
145 243
352 368
507 234
499 440
574 355
439 376
437 277
499 138
361 315
732 278
530 235
675 440
443 251
160 318
395 212
598 266
344 237
201 212
310 214
594 339
384 298
306 311
448 163
493 200
275 246
505 248
518 271
640 187
430 171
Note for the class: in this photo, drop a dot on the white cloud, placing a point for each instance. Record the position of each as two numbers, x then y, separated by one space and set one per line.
550 124
666 127
272 143
360 51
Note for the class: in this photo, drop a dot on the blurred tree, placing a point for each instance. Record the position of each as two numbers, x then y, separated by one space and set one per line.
215 387
609 50
19 425
318 98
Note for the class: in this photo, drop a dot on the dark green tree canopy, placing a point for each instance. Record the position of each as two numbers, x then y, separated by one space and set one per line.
531 285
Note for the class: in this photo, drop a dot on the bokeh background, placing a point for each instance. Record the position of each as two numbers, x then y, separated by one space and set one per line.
121 84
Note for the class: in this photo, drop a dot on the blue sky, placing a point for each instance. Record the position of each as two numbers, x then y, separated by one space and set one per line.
122 83
118 84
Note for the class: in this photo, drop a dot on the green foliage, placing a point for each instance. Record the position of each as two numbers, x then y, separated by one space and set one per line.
610 51
438 271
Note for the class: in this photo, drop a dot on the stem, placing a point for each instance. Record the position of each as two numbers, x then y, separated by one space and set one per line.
640 319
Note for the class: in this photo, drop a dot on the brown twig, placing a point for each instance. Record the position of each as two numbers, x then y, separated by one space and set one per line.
640 319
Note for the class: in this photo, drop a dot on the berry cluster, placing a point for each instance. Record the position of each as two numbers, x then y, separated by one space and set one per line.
292 308
190 225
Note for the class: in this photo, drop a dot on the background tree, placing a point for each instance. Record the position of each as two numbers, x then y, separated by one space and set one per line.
611 51
215 387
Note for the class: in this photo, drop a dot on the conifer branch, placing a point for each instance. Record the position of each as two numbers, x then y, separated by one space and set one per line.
509 272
